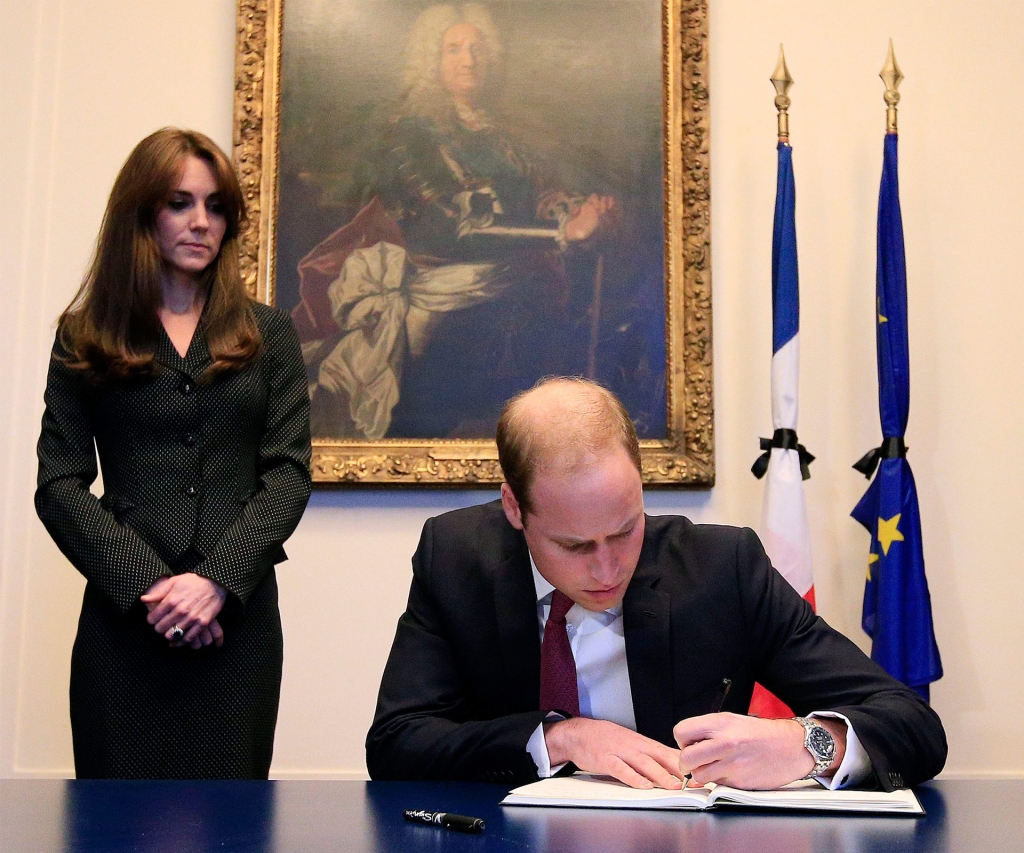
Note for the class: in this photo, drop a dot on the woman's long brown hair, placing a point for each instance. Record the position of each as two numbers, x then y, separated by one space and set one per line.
111 328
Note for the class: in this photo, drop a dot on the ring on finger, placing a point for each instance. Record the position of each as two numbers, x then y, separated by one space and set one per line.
177 632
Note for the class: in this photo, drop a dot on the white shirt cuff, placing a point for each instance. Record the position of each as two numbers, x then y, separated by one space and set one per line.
538 749
855 766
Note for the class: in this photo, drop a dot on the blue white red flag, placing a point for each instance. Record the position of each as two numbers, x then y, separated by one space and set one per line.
897 612
784 528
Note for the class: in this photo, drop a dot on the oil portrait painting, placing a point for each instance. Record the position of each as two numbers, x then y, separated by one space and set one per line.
468 197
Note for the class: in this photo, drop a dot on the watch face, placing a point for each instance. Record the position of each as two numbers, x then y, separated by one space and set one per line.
820 742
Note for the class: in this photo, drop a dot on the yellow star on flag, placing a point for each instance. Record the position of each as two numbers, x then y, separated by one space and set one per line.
872 559
888 532
881 317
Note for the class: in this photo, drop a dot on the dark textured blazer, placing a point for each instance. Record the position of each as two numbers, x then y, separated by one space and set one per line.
207 477
459 697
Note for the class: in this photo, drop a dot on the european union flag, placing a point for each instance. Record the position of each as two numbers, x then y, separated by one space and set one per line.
897 611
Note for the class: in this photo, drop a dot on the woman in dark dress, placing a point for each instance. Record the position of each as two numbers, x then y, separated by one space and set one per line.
194 399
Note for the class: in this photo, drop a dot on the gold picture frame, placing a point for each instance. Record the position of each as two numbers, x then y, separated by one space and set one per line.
685 455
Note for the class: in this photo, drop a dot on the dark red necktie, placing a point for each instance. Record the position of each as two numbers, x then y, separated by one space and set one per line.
558 691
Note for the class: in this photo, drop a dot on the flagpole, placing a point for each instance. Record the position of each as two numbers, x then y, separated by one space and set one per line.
897 612
785 531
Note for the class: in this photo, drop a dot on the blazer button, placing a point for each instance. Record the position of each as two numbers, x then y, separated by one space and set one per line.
187 386
896 779
191 490
189 439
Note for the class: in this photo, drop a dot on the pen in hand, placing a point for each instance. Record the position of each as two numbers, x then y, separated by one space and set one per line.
723 691
716 707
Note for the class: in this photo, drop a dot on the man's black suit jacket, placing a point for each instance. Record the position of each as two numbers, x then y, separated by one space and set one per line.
459 697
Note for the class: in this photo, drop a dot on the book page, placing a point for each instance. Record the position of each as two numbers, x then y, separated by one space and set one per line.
810 795
590 791
585 790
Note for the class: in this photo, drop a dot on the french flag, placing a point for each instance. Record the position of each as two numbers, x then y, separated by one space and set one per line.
784 528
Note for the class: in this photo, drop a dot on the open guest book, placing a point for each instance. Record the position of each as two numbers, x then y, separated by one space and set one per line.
602 792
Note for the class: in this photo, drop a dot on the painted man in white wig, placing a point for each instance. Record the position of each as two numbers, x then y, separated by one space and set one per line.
447 293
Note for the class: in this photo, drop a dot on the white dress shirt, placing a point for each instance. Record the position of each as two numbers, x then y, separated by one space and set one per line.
602 678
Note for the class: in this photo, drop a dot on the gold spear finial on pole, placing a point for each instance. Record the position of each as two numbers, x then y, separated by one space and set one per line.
782 81
892 77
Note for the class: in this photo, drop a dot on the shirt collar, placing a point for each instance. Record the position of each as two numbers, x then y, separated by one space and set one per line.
540 583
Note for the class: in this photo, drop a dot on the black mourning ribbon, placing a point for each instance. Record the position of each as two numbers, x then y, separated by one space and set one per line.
892 448
787 440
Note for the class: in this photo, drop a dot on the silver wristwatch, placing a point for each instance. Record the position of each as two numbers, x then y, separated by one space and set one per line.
818 741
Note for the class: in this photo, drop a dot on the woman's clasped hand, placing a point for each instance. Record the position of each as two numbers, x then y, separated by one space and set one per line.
183 609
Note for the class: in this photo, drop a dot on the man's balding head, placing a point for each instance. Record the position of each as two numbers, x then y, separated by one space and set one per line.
560 425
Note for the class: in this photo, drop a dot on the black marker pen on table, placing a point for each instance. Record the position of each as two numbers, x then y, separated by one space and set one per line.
458 822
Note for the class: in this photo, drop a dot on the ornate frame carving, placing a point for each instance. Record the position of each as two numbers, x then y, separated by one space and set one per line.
686 456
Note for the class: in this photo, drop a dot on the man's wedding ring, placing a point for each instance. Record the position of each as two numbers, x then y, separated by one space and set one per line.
177 633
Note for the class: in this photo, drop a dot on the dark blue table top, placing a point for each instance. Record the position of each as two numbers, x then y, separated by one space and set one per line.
294 816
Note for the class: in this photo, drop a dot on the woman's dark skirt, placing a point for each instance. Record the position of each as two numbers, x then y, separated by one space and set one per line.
143 710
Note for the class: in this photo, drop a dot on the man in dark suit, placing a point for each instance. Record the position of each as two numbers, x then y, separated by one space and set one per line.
661 612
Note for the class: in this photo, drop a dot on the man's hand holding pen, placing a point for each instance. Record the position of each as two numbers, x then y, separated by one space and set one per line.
749 752
727 749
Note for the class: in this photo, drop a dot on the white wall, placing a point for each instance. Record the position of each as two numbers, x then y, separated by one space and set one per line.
80 83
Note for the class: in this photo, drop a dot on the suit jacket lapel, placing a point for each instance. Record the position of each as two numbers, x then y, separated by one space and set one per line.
515 603
196 359
646 618
165 352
